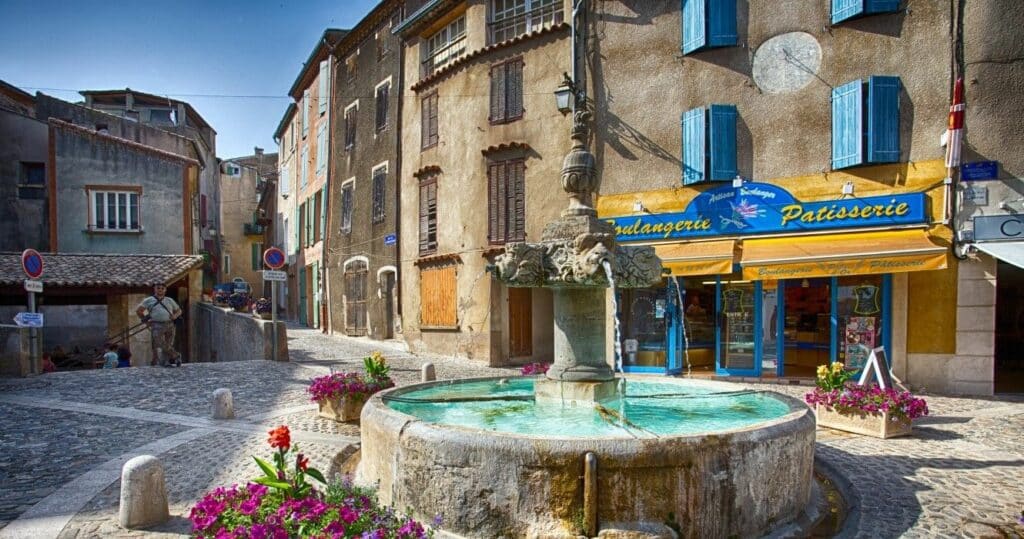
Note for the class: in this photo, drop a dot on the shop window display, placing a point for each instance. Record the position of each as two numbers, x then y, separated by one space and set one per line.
808 332
860 318
645 322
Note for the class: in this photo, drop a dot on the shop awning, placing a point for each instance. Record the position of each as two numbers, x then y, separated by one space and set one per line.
826 255
1007 251
698 257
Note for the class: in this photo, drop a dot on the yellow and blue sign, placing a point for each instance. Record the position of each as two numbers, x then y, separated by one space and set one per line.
760 208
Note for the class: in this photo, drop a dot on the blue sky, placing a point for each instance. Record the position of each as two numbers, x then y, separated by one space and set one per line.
175 48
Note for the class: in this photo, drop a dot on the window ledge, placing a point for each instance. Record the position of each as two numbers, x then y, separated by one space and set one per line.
105 231
440 328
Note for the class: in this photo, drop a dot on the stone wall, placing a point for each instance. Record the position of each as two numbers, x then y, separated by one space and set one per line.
23 210
225 335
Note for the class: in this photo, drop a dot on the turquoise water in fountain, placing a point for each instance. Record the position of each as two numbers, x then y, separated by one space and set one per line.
651 409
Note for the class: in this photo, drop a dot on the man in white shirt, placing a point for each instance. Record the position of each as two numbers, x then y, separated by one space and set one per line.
159 312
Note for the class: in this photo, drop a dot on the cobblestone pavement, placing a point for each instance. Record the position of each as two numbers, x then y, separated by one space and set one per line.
960 475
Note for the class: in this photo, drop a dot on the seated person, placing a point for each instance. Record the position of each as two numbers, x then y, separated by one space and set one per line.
110 358
124 357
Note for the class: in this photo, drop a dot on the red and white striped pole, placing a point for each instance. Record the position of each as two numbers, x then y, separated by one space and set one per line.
956 126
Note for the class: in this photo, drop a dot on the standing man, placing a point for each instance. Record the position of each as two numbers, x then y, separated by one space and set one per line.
159 313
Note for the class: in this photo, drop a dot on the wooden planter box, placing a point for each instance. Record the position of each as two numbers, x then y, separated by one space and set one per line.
879 425
344 409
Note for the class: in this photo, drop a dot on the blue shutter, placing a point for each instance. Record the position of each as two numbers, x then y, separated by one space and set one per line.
722 138
694 154
721 23
847 125
883 119
323 87
295 232
694 25
846 9
881 6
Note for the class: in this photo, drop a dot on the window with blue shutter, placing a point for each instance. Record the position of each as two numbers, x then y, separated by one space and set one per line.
866 124
709 144
323 213
843 10
883 119
708 24
323 87
305 113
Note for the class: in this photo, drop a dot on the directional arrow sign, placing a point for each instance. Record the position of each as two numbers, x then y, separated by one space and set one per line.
29 320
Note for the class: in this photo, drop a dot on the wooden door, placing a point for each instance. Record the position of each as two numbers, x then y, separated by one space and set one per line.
520 321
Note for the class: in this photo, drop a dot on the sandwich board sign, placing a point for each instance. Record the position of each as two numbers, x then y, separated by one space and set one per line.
878 365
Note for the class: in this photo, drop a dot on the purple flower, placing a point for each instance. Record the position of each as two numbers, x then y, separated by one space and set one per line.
249 506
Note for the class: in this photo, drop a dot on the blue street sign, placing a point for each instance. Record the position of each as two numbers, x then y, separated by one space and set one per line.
980 170
390 239
29 320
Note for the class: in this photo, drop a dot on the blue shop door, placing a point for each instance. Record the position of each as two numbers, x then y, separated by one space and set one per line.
738 309
674 328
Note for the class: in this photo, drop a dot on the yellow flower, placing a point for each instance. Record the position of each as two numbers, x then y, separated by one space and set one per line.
822 371
837 367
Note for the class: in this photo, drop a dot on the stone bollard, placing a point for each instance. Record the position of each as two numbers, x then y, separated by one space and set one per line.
223 406
427 373
143 493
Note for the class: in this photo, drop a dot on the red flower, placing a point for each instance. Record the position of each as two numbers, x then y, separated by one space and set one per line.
302 462
280 438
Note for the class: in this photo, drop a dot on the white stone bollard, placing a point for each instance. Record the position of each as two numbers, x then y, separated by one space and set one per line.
427 373
223 405
143 493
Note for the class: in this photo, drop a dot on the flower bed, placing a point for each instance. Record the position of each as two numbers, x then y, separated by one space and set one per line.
531 369
869 410
283 504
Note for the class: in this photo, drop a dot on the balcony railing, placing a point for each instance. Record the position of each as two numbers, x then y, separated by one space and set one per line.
254 229
510 26
443 56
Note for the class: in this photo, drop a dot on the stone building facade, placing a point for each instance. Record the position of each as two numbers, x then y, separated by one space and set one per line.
757 114
304 138
242 222
482 147
362 227
23 204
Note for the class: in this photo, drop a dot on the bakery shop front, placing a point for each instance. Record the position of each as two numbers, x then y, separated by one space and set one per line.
759 283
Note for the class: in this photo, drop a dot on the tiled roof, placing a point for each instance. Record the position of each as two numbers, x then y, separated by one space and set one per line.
101 270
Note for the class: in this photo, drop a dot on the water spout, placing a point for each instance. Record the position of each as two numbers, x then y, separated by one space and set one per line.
615 314
681 295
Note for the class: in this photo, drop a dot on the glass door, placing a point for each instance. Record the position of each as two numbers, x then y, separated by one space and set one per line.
738 331
807 325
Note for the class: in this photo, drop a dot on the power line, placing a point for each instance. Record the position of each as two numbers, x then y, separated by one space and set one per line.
254 96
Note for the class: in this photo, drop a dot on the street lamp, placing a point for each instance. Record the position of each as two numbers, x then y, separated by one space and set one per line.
563 96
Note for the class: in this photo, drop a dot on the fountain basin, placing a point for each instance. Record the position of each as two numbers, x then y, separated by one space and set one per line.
735 481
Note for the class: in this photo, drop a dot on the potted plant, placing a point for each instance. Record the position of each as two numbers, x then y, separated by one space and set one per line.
340 396
262 308
868 410
239 301
220 297
293 499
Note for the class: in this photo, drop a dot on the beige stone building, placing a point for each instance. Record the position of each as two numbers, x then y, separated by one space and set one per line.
241 222
482 146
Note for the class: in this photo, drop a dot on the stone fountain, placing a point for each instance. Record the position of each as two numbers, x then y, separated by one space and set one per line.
495 463
570 260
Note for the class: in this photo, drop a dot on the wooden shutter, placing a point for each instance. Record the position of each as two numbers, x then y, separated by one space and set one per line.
323 213
694 25
722 138
433 119
517 172
350 127
428 124
321 146
346 207
254 254
492 203
694 155
295 231
721 20
514 92
498 109
323 87
428 215
847 125
305 113
883 120
438 296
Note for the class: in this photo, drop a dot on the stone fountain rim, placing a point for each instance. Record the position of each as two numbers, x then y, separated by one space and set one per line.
767 429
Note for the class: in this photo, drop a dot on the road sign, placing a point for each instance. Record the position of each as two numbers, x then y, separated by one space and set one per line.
273 275
33 286
29 320
390 239
979 170
32 263
274 258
